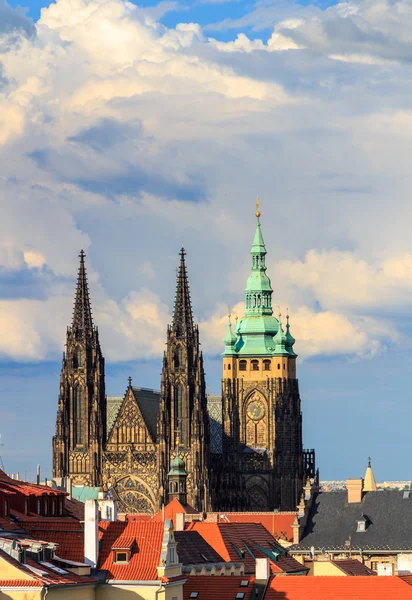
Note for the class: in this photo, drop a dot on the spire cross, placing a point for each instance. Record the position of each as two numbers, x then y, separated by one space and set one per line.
369 461
82 255
130 381
182 252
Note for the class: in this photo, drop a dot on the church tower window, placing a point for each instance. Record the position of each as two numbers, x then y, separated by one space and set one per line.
179 413
78 415
266 365
255 365
242 365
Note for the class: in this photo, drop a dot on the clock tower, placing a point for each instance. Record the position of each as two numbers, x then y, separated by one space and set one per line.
263 456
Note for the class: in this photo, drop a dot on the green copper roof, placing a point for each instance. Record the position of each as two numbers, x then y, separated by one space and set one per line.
177 467
256 332
230 339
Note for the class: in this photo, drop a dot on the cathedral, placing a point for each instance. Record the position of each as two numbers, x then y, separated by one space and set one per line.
238 451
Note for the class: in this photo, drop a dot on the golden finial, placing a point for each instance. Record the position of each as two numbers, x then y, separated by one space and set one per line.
279 313
177 444
287 315
257 207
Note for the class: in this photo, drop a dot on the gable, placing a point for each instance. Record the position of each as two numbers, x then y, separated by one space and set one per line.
129 425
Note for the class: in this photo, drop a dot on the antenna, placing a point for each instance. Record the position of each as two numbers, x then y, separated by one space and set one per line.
1 460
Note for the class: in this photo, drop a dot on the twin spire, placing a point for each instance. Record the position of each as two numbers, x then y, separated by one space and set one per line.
82 322
182 323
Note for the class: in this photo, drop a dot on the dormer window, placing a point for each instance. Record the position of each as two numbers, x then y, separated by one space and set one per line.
362 523
172 555
121 557
122 550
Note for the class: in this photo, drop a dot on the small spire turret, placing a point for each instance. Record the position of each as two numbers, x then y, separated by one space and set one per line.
369 483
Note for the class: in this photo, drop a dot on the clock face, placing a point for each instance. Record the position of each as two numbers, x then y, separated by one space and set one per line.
256 410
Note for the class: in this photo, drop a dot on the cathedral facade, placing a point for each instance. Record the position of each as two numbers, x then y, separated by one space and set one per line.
240 451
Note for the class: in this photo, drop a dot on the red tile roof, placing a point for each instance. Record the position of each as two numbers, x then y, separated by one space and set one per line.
338 588
278 524
406 578
217 588
50 576
20 583
26 488
67 533
171 509
351 566
243 542
145 557
124 542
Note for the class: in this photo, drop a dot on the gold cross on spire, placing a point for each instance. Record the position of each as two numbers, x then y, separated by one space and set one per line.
257 207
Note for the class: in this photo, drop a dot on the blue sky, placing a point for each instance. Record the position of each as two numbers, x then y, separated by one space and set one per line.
130 130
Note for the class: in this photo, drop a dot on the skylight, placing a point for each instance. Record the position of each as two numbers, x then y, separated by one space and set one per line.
244 583
240 595
194 594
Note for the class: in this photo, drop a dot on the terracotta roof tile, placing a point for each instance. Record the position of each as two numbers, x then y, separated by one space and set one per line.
338 588
171 510
244 542
20 583
217 588
67 533
145 558
278 524
351 566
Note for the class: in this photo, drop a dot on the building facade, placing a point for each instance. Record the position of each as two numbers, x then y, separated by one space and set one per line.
241 451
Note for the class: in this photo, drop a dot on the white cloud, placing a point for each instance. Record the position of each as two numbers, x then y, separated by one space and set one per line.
131 139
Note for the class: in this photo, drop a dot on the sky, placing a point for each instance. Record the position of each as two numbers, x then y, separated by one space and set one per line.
133 129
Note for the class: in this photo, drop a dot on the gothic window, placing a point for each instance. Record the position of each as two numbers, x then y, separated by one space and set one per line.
179 413
255 365
78 415
179 357
242 365
78 358
266 365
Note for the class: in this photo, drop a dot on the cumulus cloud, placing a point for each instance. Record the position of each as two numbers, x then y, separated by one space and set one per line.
131 139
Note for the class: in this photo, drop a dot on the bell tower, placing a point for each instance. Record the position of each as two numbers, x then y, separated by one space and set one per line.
81 414
262 421
183 424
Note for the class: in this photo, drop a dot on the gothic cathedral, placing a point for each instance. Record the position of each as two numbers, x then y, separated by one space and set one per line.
240 451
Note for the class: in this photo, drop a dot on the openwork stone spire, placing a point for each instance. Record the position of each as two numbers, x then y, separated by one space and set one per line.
182 324
82 313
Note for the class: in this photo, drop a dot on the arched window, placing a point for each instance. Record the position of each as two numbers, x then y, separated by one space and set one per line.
242 365
179 413
278 365
266 365
78 358
255 365
179 357
78 415
229 367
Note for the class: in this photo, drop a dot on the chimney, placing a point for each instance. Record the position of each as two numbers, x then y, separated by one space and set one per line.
38 475
180 521
91 533
354 487
68 486
296 530
262 569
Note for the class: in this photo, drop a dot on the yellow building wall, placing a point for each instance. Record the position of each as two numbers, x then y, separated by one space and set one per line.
323 568
86 592
131 592
21 595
